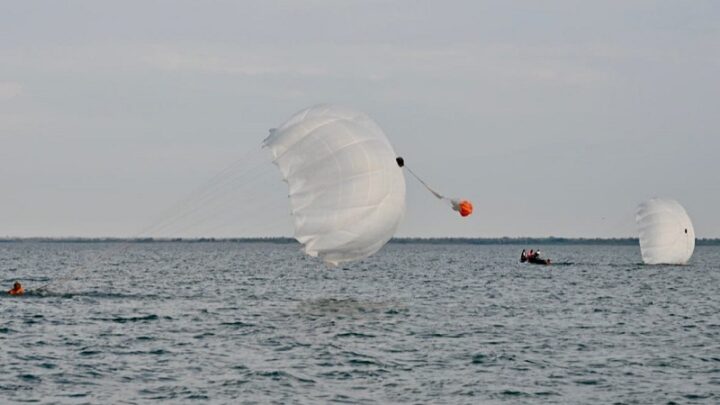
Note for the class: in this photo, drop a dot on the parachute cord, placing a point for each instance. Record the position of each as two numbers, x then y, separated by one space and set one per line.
435 193
199 203
217 184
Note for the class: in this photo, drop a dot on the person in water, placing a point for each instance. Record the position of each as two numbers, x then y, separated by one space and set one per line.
532 257
537 259
17 289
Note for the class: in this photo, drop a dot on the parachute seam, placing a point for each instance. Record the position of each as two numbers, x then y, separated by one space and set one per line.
311 164
354 177
309 133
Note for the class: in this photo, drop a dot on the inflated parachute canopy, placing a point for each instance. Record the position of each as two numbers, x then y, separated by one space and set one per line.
347 193
666 232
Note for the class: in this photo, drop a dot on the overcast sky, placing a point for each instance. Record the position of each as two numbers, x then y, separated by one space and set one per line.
554 118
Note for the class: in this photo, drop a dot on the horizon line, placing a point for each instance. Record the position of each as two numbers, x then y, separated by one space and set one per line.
622 240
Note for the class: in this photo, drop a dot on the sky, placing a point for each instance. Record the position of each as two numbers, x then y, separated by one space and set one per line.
556 118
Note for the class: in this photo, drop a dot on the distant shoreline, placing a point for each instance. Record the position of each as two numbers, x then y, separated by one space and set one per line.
407 240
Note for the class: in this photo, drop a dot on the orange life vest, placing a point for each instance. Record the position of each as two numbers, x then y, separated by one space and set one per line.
17 291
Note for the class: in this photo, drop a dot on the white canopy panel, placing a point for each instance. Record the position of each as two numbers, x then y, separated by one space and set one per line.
347 193
666 232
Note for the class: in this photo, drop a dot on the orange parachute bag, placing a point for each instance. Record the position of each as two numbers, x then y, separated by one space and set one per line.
465 208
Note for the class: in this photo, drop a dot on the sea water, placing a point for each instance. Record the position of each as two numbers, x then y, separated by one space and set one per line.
240 322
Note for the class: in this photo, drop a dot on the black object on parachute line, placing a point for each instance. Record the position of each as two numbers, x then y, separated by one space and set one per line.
401 163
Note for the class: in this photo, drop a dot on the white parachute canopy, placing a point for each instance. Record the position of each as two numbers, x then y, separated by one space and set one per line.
347 193
666 233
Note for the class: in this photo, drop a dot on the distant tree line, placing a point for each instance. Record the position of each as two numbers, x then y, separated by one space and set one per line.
551 240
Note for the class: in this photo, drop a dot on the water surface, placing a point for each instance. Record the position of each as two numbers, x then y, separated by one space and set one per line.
416 323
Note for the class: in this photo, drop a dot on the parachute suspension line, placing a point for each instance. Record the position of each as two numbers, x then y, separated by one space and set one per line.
196 204
216 187
226 179
221 205
464 207
258 223
435 193
401 162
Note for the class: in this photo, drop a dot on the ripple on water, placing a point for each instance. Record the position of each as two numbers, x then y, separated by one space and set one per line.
237 324
29 377
416 323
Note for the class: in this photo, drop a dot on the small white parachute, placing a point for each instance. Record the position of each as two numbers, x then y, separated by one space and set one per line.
666 232
347 193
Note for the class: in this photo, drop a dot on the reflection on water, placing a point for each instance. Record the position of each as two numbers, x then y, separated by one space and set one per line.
347 306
